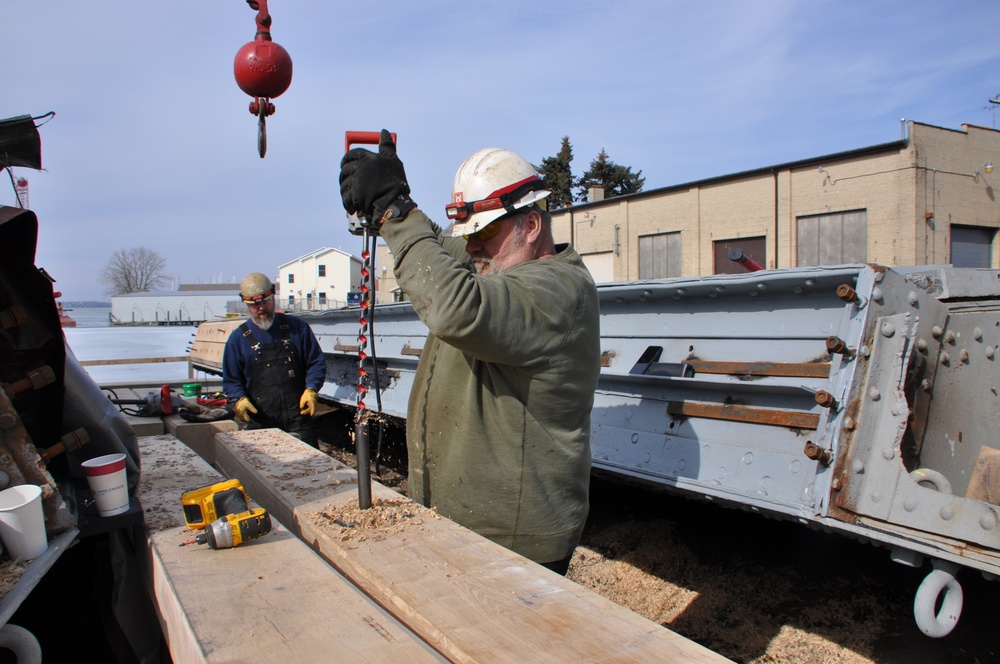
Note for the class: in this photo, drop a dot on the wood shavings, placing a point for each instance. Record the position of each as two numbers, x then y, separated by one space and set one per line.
10 573
382 519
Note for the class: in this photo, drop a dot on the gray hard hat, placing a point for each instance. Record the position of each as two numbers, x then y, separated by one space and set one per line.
255 287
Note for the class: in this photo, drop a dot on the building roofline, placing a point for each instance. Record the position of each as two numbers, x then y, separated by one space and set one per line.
174 294
315 254
765 170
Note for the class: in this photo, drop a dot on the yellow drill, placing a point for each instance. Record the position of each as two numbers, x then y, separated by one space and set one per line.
234 529
207 504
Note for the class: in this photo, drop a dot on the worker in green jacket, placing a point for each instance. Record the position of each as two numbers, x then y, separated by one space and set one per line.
498 422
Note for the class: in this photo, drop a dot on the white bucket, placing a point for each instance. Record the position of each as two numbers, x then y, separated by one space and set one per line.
22 524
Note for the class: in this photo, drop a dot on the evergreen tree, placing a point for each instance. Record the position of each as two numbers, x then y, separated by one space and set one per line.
558 176
616 180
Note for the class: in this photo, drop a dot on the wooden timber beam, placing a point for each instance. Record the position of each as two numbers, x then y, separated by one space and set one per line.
270 599
469 598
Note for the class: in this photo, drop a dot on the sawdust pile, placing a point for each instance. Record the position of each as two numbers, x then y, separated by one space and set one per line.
762 591
11 572
382 519
650 572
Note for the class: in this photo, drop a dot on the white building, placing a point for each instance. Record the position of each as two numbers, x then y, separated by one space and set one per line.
189 305
327 278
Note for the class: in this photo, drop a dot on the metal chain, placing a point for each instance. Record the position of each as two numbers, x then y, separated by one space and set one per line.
367 269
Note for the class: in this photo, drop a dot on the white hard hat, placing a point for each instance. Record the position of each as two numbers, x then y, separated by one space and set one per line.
490 184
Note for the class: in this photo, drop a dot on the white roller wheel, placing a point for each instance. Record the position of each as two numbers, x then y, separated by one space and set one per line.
22 643
938 623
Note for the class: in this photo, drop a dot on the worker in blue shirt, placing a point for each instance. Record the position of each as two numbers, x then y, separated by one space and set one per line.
273 366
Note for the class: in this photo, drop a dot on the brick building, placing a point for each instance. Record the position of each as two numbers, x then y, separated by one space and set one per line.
926 199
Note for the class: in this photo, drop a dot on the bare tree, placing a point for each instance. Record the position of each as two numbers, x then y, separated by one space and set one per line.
134 270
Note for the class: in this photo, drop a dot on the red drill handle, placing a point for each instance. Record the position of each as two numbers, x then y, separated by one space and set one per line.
363 138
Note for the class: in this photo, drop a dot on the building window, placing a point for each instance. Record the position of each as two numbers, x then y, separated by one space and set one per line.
291 300
833 239
752 248
972 246
322 270
291 278
660 256
322 297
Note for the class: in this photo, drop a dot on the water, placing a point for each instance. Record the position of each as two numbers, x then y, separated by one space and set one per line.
94 339
90 316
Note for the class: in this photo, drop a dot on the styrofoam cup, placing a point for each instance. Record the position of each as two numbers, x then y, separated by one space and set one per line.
22 524
106 477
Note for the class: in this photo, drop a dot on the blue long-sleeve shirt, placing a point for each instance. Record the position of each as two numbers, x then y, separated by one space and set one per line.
237 366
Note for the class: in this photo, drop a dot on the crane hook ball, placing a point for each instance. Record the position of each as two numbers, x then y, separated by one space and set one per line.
263 69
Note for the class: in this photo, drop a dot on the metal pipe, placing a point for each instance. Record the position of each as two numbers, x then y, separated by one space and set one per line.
364 463
737 256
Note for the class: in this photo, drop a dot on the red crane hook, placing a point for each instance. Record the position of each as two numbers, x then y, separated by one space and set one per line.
263 70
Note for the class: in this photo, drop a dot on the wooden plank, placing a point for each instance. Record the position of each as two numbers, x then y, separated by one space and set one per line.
270 599
210 343
199 436
473 600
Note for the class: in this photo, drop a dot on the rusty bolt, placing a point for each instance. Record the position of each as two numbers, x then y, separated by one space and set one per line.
825 399
846 293
816 453
835 345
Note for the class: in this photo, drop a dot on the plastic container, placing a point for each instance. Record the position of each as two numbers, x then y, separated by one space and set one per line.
192 389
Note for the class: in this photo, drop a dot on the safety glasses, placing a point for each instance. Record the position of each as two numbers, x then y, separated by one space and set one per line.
487 233
259 300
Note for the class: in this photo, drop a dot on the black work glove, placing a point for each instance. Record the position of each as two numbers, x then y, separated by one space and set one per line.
374 186
199 413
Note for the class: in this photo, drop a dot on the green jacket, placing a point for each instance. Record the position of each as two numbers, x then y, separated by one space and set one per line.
498 424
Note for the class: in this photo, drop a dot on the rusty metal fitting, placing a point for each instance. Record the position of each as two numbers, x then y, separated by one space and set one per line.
825 399
847 294
837 346
817 453
35 379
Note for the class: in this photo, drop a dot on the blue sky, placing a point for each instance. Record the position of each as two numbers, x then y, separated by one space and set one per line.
153 145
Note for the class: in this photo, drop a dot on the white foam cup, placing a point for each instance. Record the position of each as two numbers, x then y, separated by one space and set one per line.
106 477
22 524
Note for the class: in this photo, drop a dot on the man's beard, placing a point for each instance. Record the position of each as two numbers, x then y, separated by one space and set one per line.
483 265
266 323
